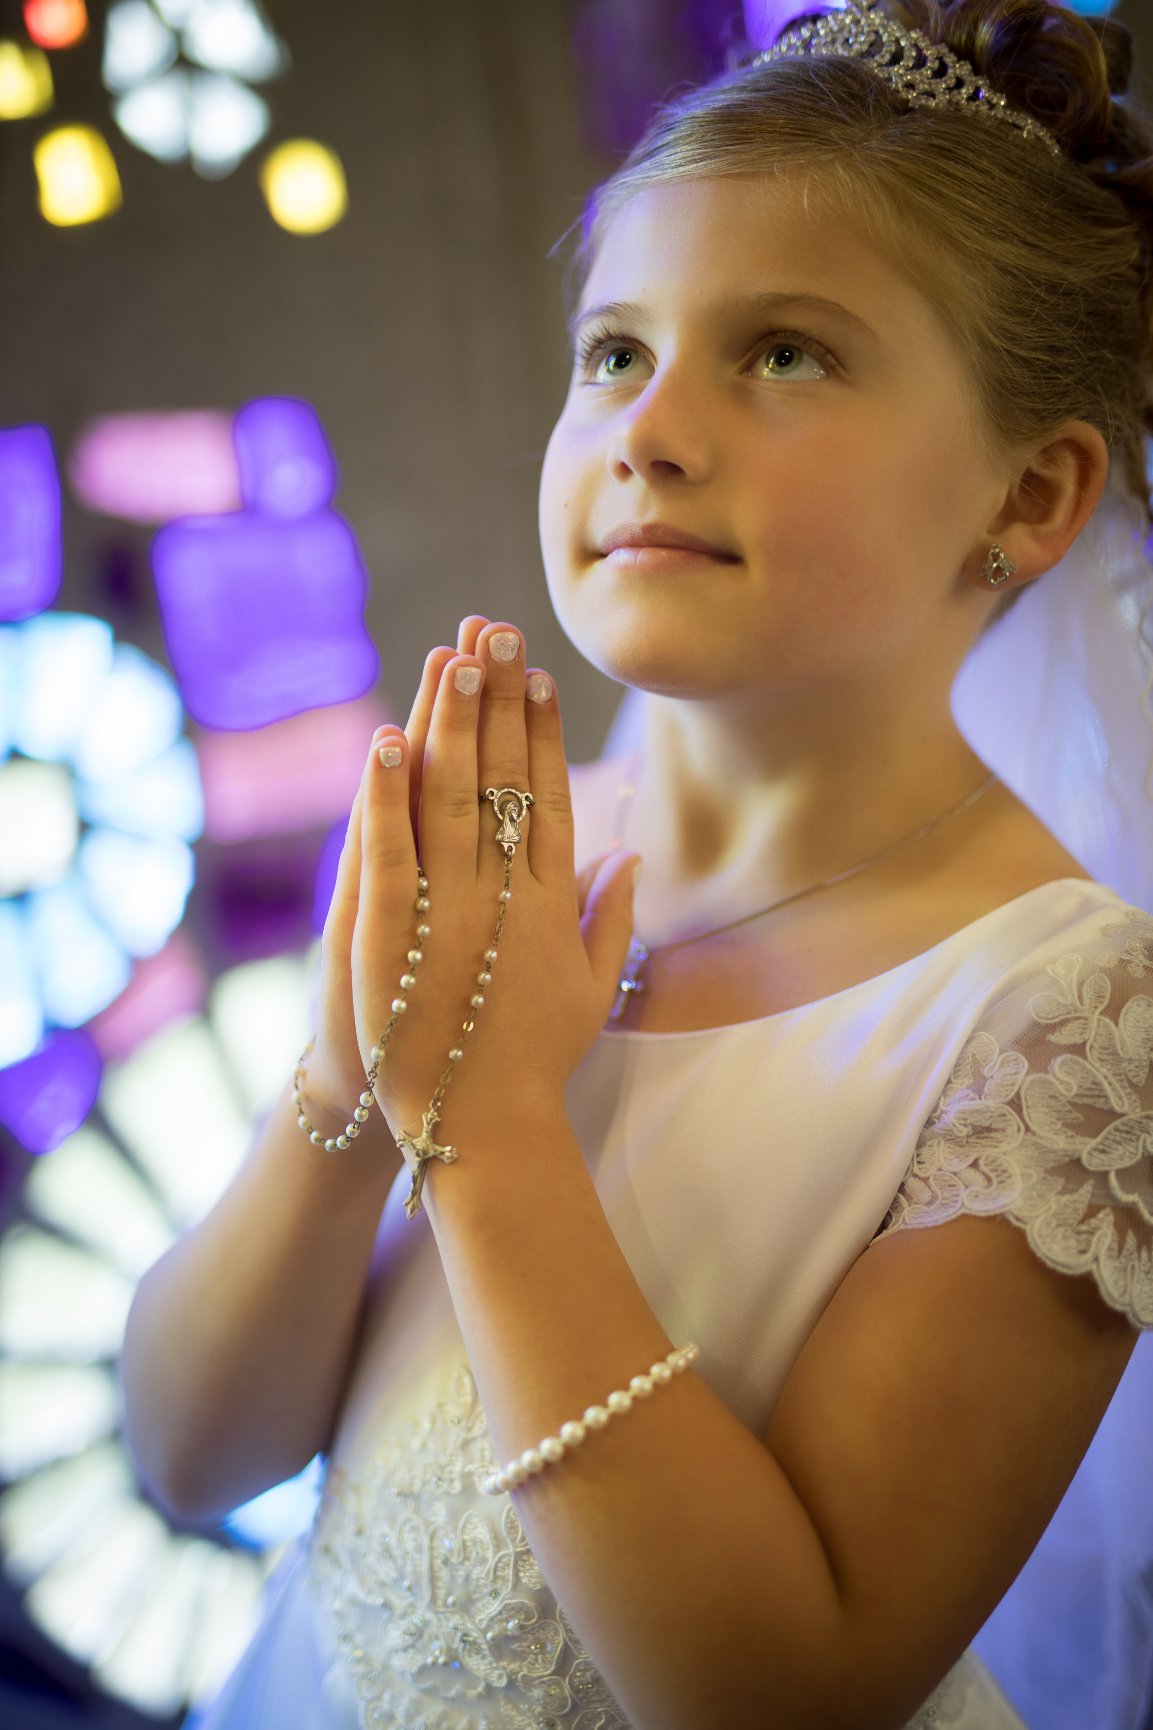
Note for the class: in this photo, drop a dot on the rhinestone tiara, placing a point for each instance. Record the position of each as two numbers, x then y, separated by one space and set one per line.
926 74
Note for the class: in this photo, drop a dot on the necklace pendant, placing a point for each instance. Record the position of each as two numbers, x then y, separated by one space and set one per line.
629 980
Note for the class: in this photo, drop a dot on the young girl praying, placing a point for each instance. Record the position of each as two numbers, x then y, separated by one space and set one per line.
717 1292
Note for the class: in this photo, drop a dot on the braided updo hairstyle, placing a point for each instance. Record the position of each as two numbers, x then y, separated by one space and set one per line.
1041 265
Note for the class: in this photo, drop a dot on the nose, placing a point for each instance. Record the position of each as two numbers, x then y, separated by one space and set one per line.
661 434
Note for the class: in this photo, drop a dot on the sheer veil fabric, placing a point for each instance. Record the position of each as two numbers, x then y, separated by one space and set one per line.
1056 698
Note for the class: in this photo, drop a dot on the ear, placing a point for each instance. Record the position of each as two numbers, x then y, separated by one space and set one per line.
1055 491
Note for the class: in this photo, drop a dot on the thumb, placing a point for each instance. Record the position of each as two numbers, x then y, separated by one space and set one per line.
607 917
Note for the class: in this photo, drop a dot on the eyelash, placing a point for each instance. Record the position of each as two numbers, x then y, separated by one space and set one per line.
599 339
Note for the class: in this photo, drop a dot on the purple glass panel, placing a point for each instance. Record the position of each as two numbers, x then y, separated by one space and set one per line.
45 1098
287 469
326 874
30 550
263 618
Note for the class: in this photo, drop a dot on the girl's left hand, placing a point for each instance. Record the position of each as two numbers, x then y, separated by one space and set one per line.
564 940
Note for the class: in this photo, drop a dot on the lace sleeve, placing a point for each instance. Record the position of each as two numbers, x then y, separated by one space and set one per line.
1048 1118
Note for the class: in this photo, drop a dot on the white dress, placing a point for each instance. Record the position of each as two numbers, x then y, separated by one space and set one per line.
743 1170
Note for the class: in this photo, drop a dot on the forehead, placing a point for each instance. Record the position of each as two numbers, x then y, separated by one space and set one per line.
699 244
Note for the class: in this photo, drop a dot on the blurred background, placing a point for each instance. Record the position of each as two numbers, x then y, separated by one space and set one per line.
281 344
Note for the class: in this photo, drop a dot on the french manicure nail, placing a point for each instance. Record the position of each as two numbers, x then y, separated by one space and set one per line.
467 680
504 645
538 687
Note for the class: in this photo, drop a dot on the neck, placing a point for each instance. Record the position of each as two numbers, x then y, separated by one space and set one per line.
733 810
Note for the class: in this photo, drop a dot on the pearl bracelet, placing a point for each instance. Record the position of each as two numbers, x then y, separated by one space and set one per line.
570 1436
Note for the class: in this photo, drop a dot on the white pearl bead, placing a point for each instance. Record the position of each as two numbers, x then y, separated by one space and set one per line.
660 1373
515 1474
342 1141
422 885
552 1448
484 978
477 999
416 956
366 1098
361 1113
490 955
505 895
303 1121
532 1460
352 1130
595 1418
572 1434
423 930
619 1401
316 1138
407 981
330 1145
399 1006
423 903
376 1054
641 1387
455 1054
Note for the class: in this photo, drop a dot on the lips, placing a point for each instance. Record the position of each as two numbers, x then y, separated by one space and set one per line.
661 535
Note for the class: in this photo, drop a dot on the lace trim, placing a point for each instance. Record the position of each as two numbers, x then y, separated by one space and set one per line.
1066 1151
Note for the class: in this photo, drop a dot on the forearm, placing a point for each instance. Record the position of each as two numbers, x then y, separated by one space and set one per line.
672 1538
239 1338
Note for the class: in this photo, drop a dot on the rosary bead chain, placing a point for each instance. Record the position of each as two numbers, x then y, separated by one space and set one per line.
570 1436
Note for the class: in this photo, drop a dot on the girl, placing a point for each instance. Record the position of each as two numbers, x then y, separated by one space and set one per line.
862 363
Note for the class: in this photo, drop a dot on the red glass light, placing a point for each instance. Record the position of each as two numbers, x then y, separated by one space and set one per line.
56 23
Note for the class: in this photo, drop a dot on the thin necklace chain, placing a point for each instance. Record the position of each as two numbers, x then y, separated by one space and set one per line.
640 952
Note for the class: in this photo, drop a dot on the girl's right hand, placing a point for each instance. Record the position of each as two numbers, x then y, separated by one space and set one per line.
336 1067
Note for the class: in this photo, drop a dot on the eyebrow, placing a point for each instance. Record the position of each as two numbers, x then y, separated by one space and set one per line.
743 304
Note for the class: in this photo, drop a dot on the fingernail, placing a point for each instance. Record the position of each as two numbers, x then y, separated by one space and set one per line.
504 645
538 687
467 680
391 756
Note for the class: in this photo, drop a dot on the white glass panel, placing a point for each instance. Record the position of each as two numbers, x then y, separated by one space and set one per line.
227 121
57 1300
231 36
260 1015
55 1510
138 888
161 801
62 658
136 44
173 1108
39 827
154 117
50 1410
21 1023
87 1602
135 715
151 1665
87 1189
80 966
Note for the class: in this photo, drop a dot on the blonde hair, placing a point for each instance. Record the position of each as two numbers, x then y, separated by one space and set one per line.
1042 265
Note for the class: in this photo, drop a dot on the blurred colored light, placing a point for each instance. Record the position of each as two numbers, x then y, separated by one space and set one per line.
281 1512
39 828
165 987
77 176
58 662
30 551
51 1411
59 1300
137 45
21 1021
56 23
25 81
260 1014
287 469
263 619
80 966
326 869
88 1191
233 36
48 1095
226 121
138 888
154 117
134 716
150 468
287 777
304 186
160 801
